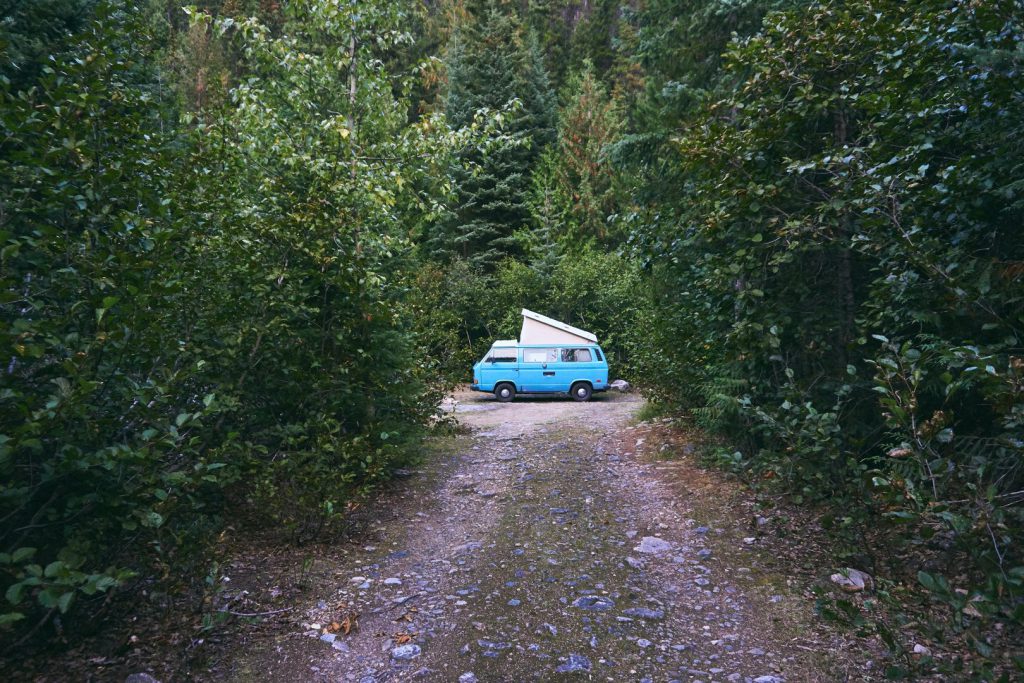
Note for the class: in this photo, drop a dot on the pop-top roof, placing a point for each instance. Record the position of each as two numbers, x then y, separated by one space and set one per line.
551 322
505 342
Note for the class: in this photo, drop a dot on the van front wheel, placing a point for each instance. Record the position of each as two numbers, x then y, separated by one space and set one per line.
581 391
505 392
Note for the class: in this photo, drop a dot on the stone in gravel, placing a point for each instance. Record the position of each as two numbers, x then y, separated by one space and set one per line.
756 651
551 629
635 563
643 642
769 679
704 554
468 677
513 603
574 663
405 653
645 613
328 637
393 581
466 547
594 603
653 545
493 644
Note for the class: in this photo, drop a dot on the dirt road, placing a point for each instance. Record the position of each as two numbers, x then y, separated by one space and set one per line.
550 544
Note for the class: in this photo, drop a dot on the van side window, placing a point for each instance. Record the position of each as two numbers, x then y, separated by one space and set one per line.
502 356
540 355
598 352
576 356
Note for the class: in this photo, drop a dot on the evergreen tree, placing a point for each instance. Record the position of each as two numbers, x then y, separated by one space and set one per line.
589 123
494 64
593 37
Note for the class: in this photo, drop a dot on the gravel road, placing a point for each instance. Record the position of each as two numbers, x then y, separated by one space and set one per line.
542 546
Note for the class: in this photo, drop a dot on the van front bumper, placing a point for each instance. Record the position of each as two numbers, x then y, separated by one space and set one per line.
475 387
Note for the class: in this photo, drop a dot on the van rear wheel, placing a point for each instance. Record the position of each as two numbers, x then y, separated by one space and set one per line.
581 391
505 392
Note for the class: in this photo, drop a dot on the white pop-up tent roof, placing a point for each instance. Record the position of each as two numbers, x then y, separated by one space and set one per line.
540 329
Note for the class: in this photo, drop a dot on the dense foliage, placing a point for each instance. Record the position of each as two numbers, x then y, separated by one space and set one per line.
839 278
245 246
204 310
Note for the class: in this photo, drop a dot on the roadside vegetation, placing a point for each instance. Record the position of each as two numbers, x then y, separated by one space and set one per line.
247 246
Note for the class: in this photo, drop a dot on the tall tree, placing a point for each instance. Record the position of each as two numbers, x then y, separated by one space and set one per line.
589 123
494 64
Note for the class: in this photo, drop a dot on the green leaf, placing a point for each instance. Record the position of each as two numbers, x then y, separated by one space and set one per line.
64 602
8 618
15 592
22 554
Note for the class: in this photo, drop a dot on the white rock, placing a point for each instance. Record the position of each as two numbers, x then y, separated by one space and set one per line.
406 652
852 580
653 545
393 581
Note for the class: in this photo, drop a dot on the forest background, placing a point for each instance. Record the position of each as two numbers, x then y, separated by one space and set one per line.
246 247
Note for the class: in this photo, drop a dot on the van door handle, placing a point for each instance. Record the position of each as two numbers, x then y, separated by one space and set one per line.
549 374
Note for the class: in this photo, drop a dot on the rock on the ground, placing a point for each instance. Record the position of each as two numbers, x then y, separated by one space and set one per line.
769 679
594 603
653 545
645 613
852 580
405 653
620 385
574 663
468 677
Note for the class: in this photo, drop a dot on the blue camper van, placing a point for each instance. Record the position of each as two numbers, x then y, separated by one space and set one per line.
509 367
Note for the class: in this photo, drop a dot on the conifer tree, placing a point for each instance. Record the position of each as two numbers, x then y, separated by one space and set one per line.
494 64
